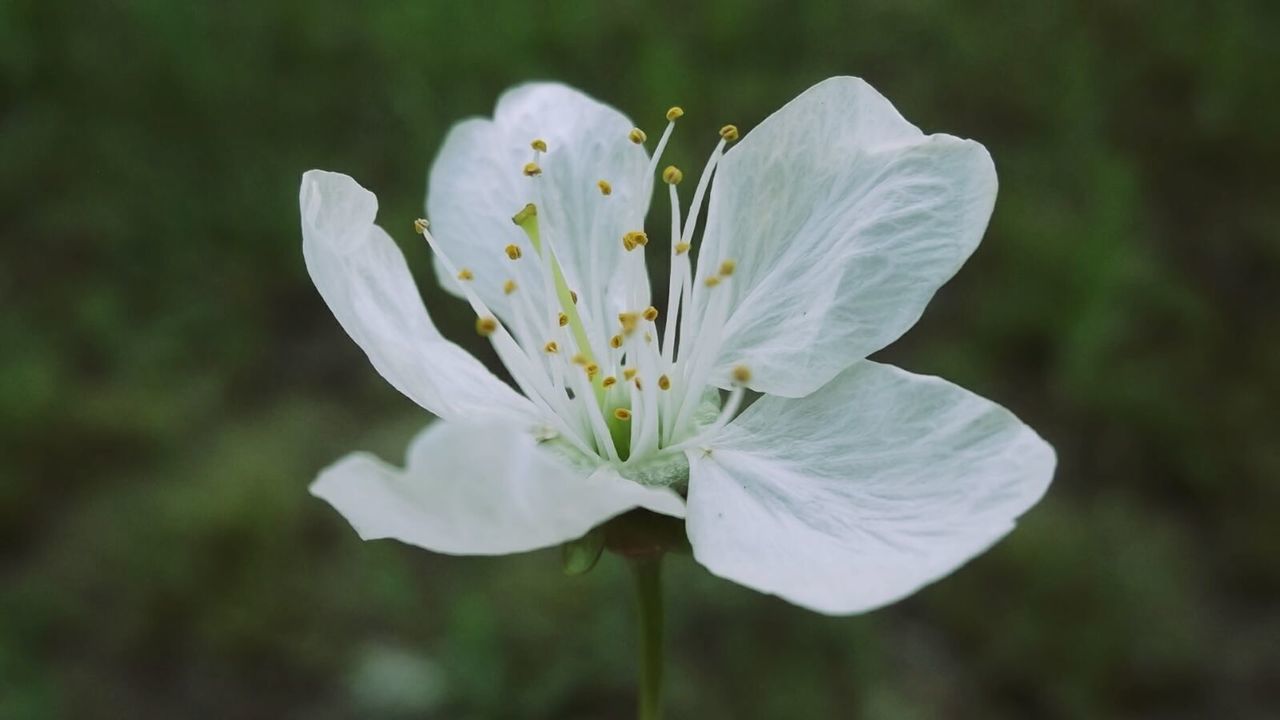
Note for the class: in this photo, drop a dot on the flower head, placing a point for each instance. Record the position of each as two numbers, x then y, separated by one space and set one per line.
846 485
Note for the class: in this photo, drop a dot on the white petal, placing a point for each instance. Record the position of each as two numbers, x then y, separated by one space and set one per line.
476 185
844 219
863 492
480 490
362 275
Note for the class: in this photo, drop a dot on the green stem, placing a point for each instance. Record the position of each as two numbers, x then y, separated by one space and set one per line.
647 570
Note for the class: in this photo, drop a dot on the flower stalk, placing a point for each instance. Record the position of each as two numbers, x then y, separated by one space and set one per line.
646 570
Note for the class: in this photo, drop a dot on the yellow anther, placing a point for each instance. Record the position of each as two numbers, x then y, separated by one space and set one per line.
741 374
672 175
727 267
526 212
513 251
729 132
637 382
531 169
605 187
682 248
664 382
712 281
551 348
634 239
615 342
622 414
420 225
573 296
628 321
466 274
637 136
591 369
539 144
486 326
563 320
650 313
508 287
579 359
674 113
629 373
609 381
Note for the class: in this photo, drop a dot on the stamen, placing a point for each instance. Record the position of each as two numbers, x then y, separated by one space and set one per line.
691 310
595 415
634 239
675 282
420 225
705 344
662 141
486 325
650 416
513 355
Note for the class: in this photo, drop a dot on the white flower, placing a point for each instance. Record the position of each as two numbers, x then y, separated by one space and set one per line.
848 485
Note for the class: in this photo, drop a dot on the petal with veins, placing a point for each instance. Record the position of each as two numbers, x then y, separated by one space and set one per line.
858 495
363 277
844 219
489 489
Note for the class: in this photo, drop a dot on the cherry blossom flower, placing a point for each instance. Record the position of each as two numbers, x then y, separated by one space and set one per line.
746 407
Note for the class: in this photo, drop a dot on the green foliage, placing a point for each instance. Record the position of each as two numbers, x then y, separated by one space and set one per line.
170 382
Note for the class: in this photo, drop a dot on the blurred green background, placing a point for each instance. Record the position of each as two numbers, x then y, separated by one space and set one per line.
170 381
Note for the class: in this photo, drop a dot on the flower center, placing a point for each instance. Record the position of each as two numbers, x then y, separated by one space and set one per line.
638 393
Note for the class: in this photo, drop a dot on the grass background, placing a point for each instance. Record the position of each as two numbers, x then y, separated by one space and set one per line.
170 381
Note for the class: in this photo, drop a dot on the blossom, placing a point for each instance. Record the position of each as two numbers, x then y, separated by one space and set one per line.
847 484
